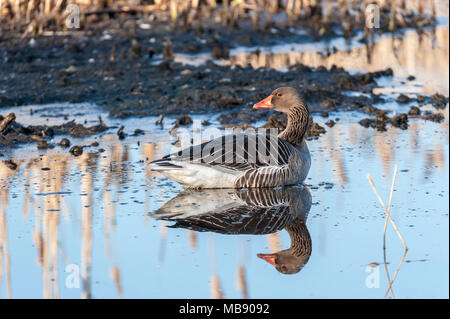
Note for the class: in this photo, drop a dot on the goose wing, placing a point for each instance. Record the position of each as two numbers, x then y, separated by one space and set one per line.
256 211
240 220
238 152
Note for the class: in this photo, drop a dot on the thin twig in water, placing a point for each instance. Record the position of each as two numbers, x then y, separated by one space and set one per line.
387 209
388 216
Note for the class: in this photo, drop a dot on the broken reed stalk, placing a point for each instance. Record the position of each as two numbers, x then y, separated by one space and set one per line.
36 15
4 124
395 275
384 207
388 216
384 233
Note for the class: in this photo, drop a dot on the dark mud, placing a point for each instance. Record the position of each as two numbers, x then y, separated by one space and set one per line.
382 119
130 84
44 136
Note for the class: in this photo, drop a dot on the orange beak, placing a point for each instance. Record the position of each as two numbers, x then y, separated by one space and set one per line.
264 104
270 258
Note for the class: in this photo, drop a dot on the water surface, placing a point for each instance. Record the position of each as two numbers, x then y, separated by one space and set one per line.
91 226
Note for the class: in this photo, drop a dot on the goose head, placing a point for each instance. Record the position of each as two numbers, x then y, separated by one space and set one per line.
283 99
285 261
292 260
288 101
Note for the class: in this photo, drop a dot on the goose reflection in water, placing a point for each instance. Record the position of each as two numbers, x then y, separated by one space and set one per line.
248 211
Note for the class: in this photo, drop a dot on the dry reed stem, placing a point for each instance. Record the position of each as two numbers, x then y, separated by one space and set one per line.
38 15
384 207
388 216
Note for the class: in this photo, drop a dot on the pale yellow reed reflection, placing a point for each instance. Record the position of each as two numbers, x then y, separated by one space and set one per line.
434 159
115 275
109 208
216 290
336 155
116 172
5 259
46 174
242 282
86 224
192 239
414 141
384 144
352 134
274 242
149 152
158 150
425 57
386 150
50 218
26 190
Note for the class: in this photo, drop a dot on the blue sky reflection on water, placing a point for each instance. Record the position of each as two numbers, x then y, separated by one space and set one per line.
103 225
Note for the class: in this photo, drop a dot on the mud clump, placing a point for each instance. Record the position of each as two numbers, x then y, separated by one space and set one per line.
300 68
438 101
279 121
330 123
76 150
42 145
400 121
314 130
64 142
121 132
78 130
329 104
183 120
10 164
414 110
403 99
434 117
219 52
15 133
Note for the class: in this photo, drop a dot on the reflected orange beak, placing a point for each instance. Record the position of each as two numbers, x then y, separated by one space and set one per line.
270 258
264 104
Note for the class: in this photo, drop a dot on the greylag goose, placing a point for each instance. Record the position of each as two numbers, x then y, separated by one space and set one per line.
257 211
248 160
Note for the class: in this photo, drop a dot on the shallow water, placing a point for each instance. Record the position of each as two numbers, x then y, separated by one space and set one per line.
424 56
89 226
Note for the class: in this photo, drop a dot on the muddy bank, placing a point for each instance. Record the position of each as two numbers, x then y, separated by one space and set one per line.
13 133
132 84
128 70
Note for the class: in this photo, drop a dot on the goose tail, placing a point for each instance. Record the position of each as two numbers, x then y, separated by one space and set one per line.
163 165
